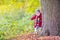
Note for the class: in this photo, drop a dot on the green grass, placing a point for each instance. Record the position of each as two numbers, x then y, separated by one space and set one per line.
15 23
13 20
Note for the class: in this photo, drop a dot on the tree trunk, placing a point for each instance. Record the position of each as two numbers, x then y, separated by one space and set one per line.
51 17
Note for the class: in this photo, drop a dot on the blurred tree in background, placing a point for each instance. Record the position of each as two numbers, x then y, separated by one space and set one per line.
15 17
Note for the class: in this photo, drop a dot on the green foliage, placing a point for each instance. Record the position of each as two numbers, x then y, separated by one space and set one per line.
15 17
15 23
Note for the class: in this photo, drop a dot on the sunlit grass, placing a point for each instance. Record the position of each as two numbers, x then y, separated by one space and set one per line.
15 18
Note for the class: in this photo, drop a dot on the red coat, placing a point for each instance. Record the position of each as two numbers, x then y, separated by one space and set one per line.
35 20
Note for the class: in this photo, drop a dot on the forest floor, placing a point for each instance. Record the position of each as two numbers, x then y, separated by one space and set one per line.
34 37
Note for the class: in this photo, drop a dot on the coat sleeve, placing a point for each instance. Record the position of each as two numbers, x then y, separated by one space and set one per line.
33 17
41 20
41 17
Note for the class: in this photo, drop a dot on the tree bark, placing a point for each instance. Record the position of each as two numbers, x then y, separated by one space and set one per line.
51 17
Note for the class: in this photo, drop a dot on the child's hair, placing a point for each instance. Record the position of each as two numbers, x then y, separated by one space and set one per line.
38 10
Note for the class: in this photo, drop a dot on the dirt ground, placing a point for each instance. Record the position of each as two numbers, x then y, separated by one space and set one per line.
35 37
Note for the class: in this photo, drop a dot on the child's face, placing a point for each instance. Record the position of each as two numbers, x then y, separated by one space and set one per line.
37 13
